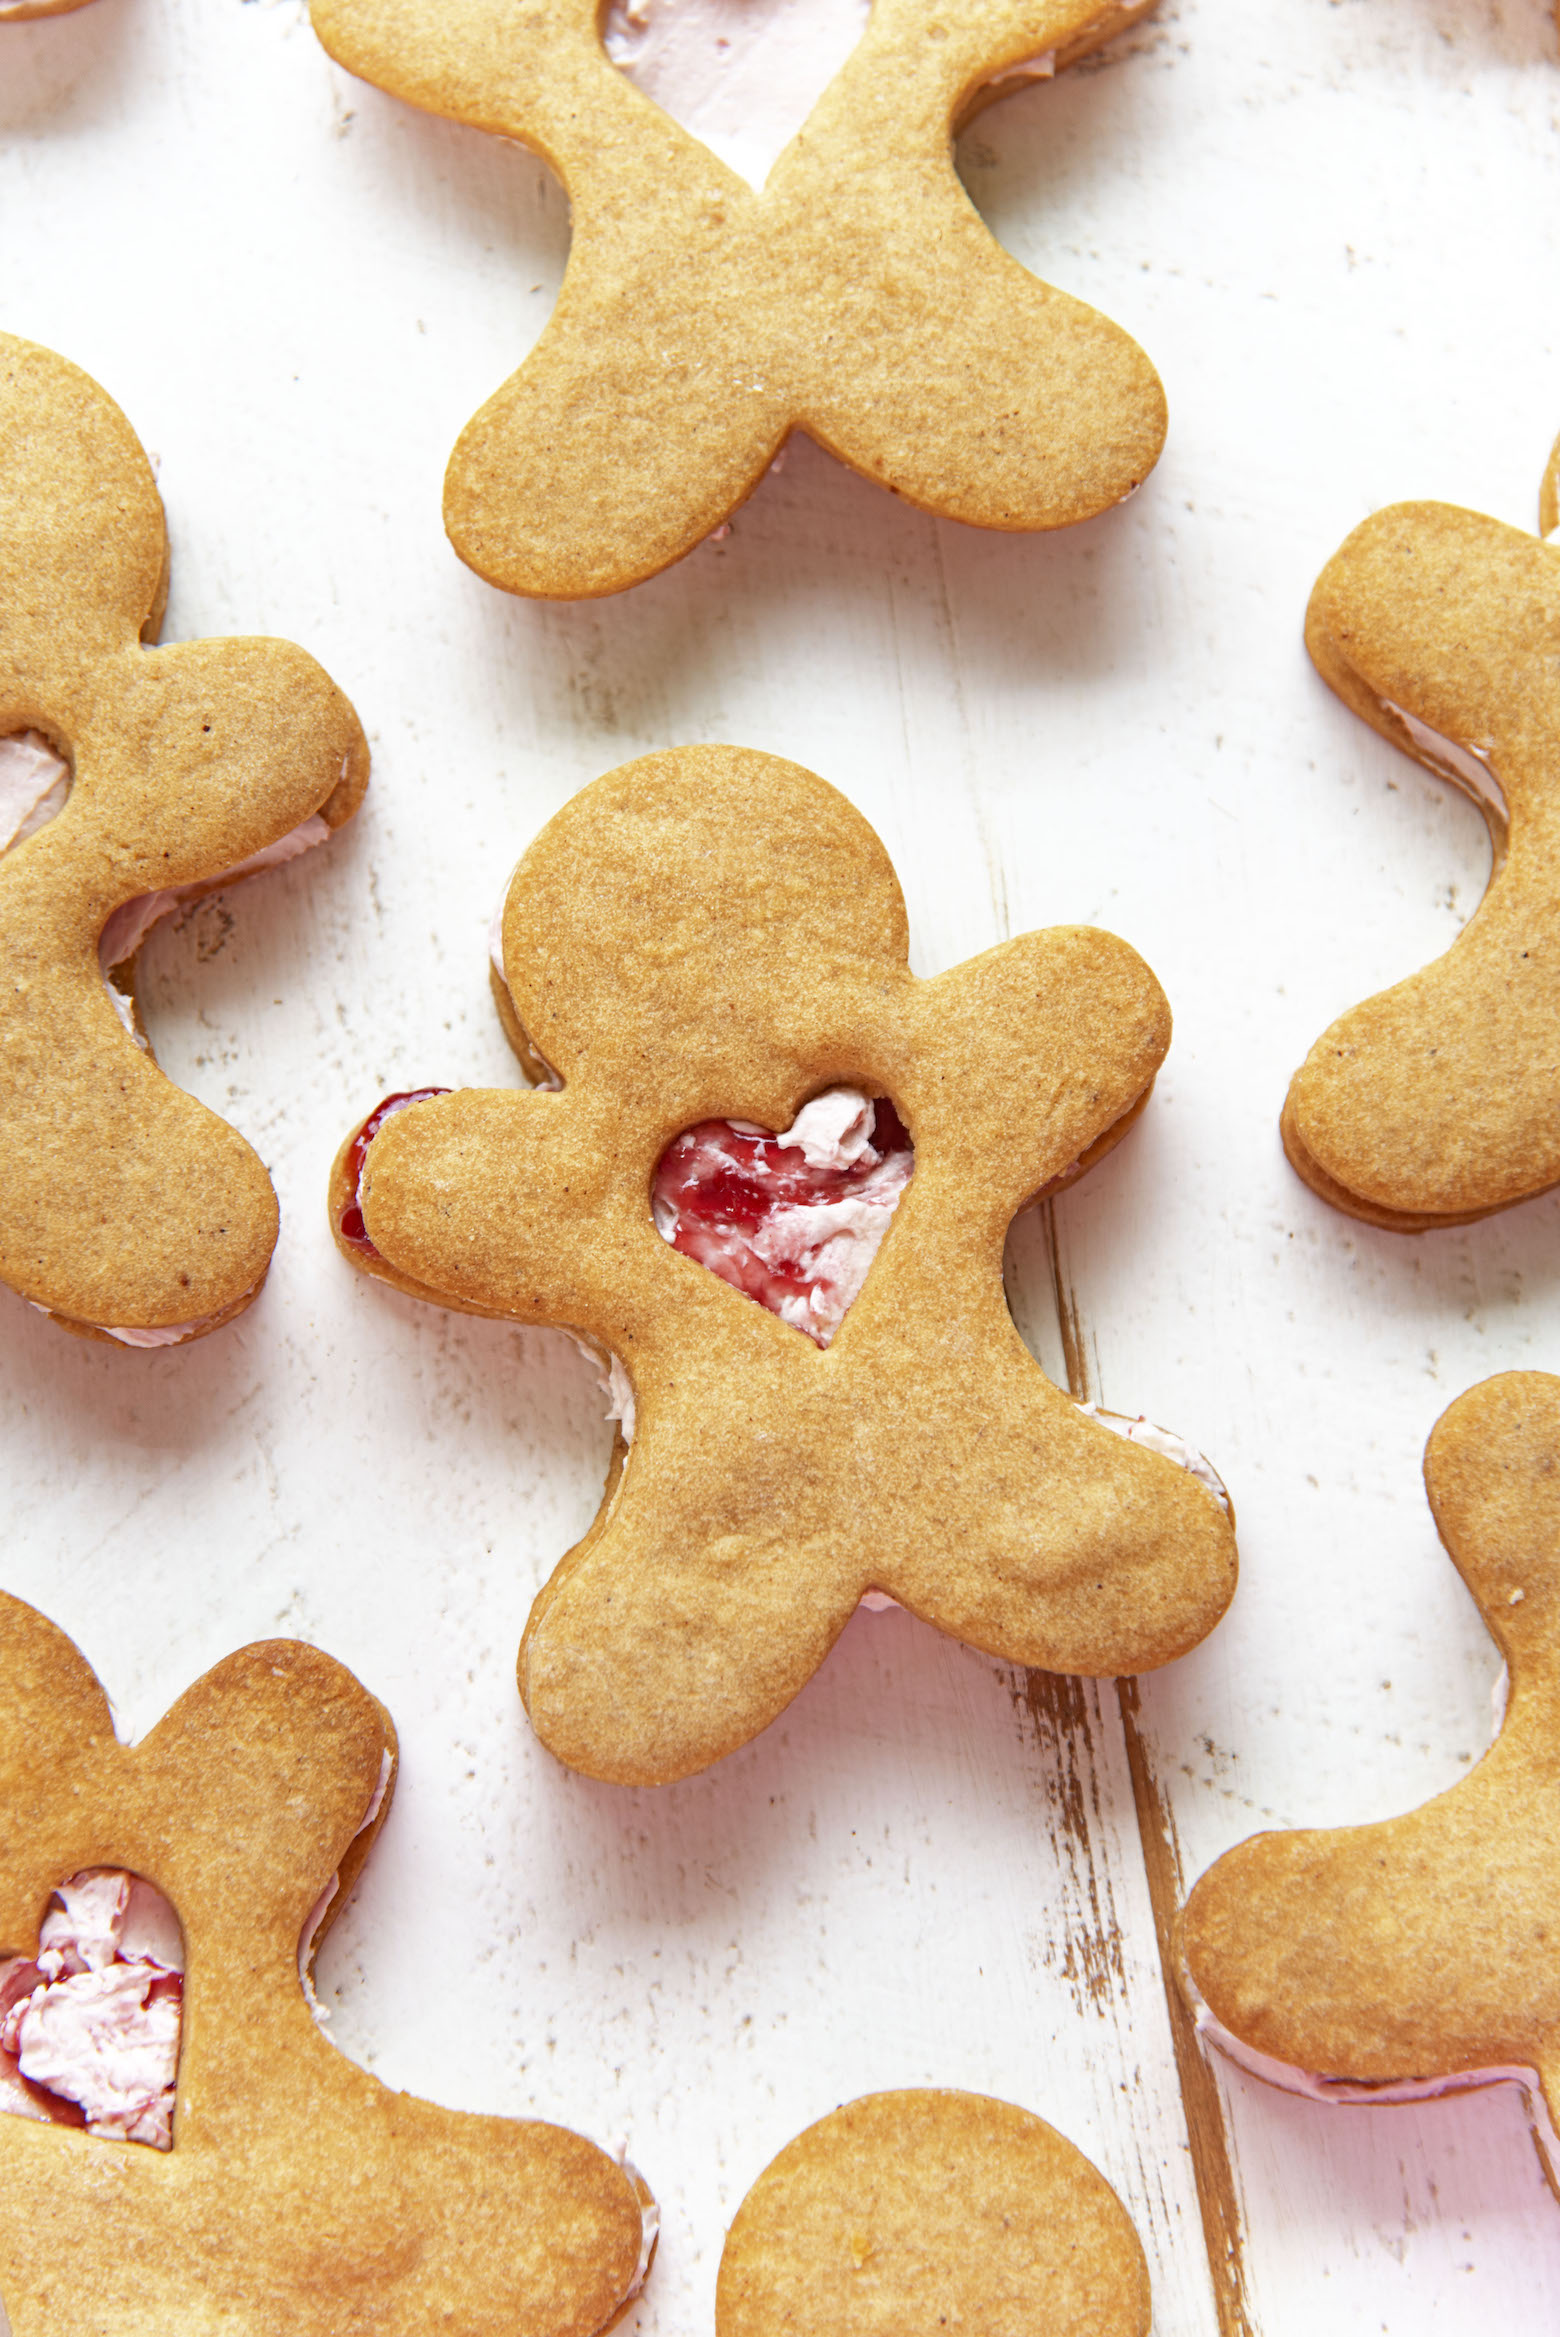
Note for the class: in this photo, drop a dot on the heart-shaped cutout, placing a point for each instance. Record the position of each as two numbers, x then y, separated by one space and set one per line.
742 75
89 2028
793 1220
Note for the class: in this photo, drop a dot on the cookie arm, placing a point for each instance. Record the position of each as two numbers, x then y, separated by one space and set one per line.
272 1761
1027 1060
521 1206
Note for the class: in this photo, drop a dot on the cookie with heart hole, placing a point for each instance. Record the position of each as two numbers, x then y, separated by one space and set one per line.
133 781
1413 1958
821 1390
1437 1102
180 2146
857 295
924 2211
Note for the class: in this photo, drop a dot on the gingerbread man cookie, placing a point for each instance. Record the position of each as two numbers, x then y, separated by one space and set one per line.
160 1906
922 2212
1416 1957
859 296
693 948
132 781
1438 1102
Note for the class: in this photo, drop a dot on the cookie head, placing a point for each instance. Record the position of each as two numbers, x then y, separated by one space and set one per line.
1413 1957
177 2137
769 1187
702 320
133 781
920 2212
1435 1102
651 929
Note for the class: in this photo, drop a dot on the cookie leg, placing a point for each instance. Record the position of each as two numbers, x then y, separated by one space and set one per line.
642 1666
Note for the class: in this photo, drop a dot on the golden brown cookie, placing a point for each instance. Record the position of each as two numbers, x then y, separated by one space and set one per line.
1438 1101
910 2214
13 11
300 2195
715 936
132 780
858 297
1417 1957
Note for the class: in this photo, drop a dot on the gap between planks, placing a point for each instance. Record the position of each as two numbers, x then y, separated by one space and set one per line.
1202 2102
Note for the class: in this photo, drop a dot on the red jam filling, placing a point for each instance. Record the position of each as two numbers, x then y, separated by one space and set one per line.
794 1233
352 1229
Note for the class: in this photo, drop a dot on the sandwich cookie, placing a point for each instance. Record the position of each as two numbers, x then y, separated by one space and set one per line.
1400 1961
180 2146
133 781
858 295
1438 1101
769 1184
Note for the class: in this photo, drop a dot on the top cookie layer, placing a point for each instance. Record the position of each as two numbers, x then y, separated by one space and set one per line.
716 934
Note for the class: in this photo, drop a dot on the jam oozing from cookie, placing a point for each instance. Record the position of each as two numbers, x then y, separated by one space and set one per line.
89 2028
352 1229
793 1220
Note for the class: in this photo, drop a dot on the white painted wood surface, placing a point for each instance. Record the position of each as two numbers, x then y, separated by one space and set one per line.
1335 224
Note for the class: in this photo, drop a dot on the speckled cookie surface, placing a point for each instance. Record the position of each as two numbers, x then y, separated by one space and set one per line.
1422 1948
859 296
713 932
1439 1100
300 2195
123 1201
908 2214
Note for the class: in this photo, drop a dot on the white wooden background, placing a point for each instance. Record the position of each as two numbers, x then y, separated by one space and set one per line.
1335 224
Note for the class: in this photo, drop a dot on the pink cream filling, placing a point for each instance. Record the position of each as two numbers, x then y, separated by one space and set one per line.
794 1220
1317 2085
89 2028
319 1910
